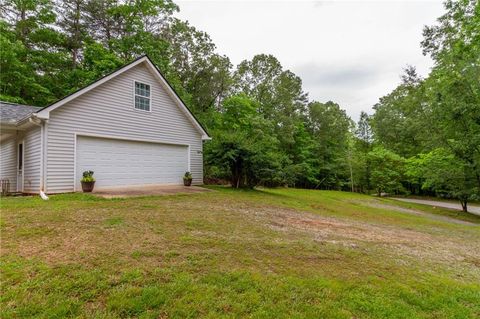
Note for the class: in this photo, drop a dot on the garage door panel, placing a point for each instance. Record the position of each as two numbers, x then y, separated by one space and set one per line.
120 162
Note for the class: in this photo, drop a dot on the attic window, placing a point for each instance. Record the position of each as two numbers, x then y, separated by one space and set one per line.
142 96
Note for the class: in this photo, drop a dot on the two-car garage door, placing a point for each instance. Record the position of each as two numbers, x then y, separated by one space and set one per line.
122 163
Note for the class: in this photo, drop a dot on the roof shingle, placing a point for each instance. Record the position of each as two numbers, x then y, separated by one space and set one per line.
12 113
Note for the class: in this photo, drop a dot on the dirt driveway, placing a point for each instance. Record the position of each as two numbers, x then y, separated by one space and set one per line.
471 208
147 190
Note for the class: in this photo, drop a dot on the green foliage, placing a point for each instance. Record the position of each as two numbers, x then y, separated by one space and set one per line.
331 130
387 170
187 176
87 177
401 119
278 92
360 145
242 150
301 167
202 74
440 170
436 120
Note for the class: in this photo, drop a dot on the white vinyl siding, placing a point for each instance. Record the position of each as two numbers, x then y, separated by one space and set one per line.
32 157
107 111
8 162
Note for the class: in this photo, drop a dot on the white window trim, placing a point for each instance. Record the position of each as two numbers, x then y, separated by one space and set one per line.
150 98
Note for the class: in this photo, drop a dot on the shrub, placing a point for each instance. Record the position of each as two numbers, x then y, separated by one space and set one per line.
88 177
187 176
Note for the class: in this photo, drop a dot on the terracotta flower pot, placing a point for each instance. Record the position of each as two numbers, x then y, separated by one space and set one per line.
187 182
87 187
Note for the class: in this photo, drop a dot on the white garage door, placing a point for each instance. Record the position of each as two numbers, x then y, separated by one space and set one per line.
121 162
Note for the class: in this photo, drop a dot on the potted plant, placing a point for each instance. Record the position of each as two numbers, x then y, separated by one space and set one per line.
187 179
87 181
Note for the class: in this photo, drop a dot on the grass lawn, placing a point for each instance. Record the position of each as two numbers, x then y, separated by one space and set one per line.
273 253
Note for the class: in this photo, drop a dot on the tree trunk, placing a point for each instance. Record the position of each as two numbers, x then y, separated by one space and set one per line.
464 205
478 177
236 171
74 58
351 175
24 30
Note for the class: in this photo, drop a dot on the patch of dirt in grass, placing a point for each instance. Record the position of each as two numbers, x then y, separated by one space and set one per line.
87 238
328 227
399 240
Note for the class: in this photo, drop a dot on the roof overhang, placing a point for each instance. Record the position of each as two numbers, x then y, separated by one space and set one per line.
4 135
44 114
21 125
10 129
8 126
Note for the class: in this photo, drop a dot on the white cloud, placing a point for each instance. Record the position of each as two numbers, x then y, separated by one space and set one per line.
349 52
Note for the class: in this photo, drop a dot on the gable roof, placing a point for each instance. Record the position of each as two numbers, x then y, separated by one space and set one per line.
12 113
44 113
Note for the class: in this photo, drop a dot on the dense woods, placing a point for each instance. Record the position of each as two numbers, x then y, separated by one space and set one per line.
423 137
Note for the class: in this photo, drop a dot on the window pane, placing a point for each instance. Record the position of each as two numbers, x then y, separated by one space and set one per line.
142 103
142 89
147 90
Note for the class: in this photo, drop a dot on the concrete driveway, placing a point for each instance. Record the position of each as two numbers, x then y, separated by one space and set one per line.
147 190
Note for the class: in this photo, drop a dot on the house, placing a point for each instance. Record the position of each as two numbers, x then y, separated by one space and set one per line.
129 127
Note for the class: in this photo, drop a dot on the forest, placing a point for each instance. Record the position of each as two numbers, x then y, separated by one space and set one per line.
422 138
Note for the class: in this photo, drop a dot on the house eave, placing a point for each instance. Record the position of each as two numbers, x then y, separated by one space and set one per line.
8 126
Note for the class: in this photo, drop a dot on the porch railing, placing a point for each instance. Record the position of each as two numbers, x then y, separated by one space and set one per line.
5 187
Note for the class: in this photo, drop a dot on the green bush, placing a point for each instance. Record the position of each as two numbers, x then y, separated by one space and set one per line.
88 177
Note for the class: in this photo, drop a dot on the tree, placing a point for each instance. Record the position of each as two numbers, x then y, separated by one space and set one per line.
301 167
330 127
278 92
282 101
243 148
456 31
442 172
441 111
196 68
364 130
402 119
130 28
30 19
15 75
72 23
387 170
30 35
360 146
453 86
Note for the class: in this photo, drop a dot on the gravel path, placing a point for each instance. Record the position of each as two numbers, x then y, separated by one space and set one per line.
471 208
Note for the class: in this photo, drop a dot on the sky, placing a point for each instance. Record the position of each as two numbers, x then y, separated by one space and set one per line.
349 52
